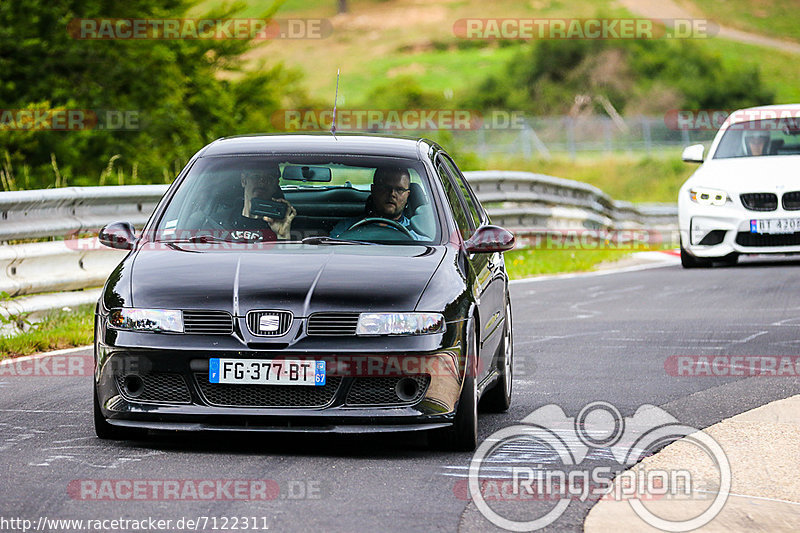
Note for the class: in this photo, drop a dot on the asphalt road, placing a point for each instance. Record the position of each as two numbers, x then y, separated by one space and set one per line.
578 340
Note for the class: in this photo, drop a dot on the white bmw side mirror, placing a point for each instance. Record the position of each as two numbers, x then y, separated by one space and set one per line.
693 153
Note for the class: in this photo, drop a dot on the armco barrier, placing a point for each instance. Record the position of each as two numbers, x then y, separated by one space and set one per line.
517 200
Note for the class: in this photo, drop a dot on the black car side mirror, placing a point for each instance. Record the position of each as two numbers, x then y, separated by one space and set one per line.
488 239
120 235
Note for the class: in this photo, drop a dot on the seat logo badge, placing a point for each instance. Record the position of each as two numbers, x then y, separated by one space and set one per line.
268 323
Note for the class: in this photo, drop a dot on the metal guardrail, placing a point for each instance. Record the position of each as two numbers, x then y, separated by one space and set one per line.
518 200
58 212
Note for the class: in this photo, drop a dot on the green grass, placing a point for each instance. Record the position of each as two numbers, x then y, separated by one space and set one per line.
777 18
57 330
526 263
780 70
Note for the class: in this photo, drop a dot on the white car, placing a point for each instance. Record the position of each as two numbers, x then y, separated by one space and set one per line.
745 197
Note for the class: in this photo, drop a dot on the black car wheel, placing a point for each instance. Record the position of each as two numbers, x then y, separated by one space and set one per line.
690 261
498 398
463 434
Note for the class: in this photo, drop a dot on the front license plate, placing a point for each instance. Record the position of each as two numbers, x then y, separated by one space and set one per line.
267 371
775 225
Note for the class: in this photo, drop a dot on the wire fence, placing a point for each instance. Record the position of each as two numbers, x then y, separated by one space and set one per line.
562 135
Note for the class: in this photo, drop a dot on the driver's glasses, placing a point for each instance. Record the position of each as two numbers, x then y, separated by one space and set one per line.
388 189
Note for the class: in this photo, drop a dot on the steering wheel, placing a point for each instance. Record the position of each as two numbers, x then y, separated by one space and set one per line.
384 222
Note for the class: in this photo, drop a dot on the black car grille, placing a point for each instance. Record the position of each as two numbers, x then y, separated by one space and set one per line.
383 391
744 238
760 201
227 395
283 321
207 322
791 201
158 388
332 324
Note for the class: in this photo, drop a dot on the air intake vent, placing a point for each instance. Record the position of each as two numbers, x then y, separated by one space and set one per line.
760 201
207 322
269 323
791 201
332 324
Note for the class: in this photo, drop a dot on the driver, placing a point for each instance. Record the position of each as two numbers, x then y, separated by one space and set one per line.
262 182
390 189
756 142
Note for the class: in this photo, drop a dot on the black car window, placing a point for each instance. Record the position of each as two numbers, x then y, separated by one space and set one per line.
465 190
463 221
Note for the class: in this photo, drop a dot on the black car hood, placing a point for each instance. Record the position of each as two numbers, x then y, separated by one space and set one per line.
299 278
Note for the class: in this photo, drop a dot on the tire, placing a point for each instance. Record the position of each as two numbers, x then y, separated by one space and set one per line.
106 431
463 434
498 398
690 261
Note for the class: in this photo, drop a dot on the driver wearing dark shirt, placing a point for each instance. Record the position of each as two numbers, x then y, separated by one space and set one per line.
390 189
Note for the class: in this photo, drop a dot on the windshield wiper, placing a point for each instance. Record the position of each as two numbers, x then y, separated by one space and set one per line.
321 239
198 238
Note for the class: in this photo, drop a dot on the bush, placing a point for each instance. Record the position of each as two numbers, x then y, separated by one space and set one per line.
184 93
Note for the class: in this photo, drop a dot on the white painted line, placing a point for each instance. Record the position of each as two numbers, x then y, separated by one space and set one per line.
15 360
38 411
634 268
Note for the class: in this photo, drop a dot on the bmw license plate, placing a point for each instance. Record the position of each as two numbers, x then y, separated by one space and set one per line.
775 225
267 371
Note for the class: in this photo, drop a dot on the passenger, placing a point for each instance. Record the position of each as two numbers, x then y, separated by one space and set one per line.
263 182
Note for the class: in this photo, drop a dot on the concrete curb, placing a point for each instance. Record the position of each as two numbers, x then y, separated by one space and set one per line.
763 447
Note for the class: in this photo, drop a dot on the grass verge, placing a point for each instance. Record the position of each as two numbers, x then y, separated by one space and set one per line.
529 262
58 329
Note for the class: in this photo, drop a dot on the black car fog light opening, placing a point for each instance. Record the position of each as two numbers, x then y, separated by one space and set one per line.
406 389
133 385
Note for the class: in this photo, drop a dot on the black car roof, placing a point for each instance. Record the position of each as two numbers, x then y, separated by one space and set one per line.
321 143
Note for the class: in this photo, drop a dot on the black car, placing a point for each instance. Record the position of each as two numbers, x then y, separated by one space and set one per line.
308 283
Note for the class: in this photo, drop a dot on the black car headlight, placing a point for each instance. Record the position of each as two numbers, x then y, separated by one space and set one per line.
154 320
399 323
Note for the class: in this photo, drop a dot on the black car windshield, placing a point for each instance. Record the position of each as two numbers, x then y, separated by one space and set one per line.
345 199
756 138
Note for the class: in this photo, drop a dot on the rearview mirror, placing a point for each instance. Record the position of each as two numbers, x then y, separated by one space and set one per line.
488 239
693 153
306 173
119 235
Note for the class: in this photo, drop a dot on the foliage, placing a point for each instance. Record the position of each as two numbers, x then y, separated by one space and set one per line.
545 77
181 93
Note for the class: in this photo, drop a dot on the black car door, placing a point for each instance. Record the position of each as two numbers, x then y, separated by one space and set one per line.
489 291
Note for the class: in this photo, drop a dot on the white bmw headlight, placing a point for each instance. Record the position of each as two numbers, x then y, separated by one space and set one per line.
704 196
399 323
156 320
